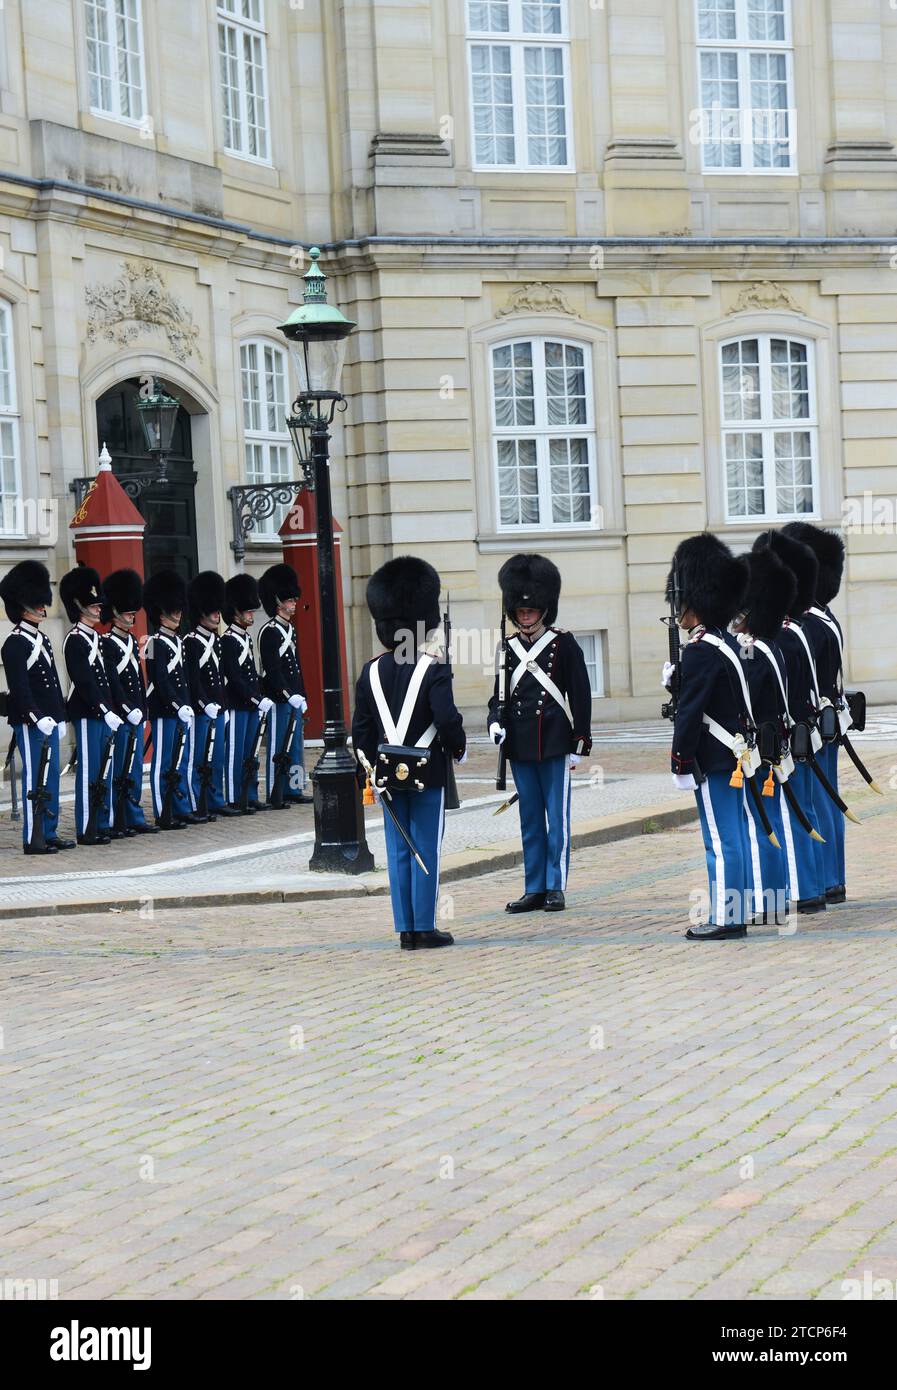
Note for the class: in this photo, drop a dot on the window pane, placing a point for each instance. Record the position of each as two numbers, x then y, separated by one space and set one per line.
716 19
741 380
7 395
518 482
493 104
744 473
488 16
794 472
565 384
766 20
546 113
230 86
542 17
514 389
569 470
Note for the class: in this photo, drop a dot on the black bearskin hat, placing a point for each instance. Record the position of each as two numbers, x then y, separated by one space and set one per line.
401 595
828 548
27 585
122 593
278 583
78 588
800 560
205 594
711 581
164 593
530 581
241 593
770 594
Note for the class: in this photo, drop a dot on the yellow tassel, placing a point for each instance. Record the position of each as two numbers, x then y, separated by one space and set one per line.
737 778
769 786
367 798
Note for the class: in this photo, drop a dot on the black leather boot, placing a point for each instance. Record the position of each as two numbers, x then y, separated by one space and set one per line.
554 900
424 940
708 931
808 906
530 902
836 894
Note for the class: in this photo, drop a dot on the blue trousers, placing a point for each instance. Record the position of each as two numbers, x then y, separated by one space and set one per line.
413 892
30 743
766 864
277 726
833 834
241 730
133 814
91 737
164 733
802 858
721 809
196 749
544 808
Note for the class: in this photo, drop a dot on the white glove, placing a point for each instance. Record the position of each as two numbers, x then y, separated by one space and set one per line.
684 783
667 676
298 703
575 759
265 706
46 725
213 711
112 721
135 717
497 734
185 714
63 729
462 759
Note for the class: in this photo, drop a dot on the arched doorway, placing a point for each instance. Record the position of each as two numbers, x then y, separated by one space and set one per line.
169 508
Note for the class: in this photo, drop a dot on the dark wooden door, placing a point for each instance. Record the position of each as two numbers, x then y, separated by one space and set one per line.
169 541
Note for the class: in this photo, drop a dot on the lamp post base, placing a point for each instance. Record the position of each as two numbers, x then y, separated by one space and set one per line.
340 844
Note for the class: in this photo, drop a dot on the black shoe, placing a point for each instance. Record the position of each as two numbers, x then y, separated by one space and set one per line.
48 848
809 905
192 818
98 840
554 900
836 894
300 800
62 844
259 806
425 940
530 902
228 811
708 931
175 825
145 829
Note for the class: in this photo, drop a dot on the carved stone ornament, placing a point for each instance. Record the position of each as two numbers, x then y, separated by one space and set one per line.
135 301
765 294
536 299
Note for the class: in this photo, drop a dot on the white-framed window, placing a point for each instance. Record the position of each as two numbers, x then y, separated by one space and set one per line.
746 81
10 458
519 60
243 74
770 427
115 68
592 644
543 435
264 376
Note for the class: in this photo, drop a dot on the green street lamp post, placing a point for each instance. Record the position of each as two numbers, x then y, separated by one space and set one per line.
318 335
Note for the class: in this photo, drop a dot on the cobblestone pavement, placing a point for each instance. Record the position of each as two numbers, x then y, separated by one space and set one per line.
278 1102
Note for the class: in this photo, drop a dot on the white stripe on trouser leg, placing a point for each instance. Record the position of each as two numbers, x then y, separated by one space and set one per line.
83 780
439 853
718 855
191 756
27 806
273 738
158 748
566 823
756 867
793 883
231 742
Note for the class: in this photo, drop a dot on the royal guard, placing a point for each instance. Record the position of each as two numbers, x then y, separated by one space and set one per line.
282 682
123 599
803 852
205 677
540 714
712 752
90 704
827 641
168 698
35 706
404 731
247 704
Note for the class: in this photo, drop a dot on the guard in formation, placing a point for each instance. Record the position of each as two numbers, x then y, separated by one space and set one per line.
282 683
406 731
122 601
208 698
248 706
758 715
540 718
90 705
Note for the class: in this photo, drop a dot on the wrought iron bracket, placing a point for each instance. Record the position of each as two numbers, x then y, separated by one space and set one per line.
133 484
251 503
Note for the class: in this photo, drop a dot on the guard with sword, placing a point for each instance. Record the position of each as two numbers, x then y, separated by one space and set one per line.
405 730
168 698
90 704
208 697
283 684
247 703
35 706
712 724
540 715
123 599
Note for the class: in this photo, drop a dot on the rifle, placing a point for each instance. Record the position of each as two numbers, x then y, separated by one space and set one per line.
501 776
205 771
452 801
281 762
122 786
97 791
251 764
170 778
39 796
669 708
13 789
